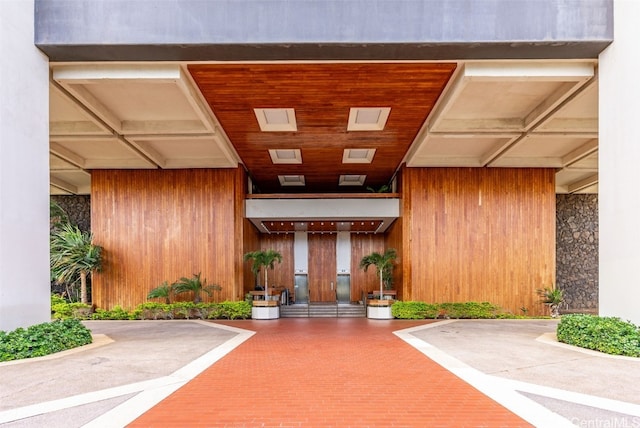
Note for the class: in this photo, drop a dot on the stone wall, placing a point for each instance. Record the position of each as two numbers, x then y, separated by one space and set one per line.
78 208
577 250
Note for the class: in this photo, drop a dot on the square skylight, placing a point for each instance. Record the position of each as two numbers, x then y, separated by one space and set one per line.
358 155
291 180
276 119
290 156
352 180
368 118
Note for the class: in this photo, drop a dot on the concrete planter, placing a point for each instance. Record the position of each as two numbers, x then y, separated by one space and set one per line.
265 310
379 309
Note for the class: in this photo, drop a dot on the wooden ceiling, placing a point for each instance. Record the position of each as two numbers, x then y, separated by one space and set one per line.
322 96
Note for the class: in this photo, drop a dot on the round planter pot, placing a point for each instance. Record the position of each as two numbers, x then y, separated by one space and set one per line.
266 312
379 312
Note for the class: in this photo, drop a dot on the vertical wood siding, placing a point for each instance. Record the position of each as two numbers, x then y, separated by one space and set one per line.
393 239
476 234
361 281
322 267
160 225
282 274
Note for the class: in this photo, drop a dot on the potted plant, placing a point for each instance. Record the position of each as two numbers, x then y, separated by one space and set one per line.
264 309
380 308
552 297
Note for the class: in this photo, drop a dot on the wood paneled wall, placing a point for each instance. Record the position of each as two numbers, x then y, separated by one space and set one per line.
361 281
393 239
160 225
478 234
282 274
322 267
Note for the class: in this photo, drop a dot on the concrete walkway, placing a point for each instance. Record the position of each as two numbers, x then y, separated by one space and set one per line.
515 363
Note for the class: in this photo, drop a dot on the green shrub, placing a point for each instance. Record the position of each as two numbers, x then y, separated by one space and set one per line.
43 339
117 313
61 309
232 310
152 311
606 334
468 310
421 310
414 310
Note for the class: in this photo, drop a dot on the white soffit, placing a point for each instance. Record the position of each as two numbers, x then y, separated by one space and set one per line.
285 156
385 210
276 119
291 180
137 99
368 118
507 96
358 155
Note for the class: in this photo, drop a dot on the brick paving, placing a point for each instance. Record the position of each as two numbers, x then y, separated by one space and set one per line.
327 373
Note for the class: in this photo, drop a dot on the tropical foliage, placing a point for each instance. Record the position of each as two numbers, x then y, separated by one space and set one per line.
164 291
266 259
552 297
73 256
195 285
384 266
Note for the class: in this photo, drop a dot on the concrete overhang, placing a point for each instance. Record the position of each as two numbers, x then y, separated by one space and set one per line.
385 211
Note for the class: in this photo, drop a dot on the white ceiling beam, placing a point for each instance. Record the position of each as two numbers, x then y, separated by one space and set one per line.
147 149
498 149
204 112
580 153
88 74
151 127
480 125
94 105
450 93
75 127
530 71
549 104
583 184
527 162
570 125
67 155
63 185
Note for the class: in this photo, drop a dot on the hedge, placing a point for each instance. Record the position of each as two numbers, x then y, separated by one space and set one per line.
610 335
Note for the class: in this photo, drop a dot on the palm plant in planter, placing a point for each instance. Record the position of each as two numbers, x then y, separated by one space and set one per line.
266 258
73 255
384 266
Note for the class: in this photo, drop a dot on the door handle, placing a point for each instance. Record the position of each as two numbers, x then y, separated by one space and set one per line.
332 285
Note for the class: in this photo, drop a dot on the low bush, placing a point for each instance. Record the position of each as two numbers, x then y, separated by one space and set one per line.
117 313
43 339
421 310
610 335
232 310
469 310
414 310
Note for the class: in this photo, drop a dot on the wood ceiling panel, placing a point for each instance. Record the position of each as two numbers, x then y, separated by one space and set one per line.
321 95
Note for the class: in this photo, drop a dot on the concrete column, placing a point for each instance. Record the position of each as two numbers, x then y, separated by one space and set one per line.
619 167
24 170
